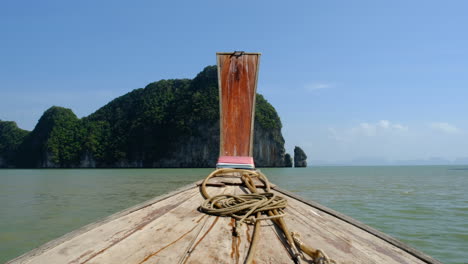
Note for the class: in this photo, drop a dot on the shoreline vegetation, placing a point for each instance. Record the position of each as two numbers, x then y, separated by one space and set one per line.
168 124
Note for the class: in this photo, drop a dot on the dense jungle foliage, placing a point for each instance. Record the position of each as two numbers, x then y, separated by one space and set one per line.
141 125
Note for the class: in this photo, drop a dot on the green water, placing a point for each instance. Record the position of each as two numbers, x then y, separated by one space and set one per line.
424 206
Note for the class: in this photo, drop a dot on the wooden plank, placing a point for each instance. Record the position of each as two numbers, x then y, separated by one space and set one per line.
371 241
341 241
103 222
88 246
214 244
172 230
217 244
164 240
237 76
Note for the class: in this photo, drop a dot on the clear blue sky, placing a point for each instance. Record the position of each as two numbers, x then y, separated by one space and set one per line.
351 80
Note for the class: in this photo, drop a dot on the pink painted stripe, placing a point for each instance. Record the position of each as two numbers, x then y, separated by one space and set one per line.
236 159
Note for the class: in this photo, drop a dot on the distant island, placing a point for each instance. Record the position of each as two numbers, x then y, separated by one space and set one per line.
167 124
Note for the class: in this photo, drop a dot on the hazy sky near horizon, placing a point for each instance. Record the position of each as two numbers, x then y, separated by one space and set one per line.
349 79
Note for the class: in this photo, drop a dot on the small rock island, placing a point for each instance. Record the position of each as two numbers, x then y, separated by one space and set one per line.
300 158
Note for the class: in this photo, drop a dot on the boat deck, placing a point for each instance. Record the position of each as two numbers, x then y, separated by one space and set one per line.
170 229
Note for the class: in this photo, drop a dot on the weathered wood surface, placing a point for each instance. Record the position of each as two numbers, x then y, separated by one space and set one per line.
237 76
172 230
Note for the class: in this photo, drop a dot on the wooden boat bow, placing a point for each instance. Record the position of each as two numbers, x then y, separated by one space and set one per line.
172 228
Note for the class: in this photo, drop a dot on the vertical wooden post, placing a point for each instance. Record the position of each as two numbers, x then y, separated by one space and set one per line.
237 77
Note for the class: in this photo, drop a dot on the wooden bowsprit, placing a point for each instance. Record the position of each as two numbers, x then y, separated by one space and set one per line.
237 77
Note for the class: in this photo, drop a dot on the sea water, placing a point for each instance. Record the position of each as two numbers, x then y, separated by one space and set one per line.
423 206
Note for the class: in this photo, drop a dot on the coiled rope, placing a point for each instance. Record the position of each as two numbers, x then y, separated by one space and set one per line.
253 208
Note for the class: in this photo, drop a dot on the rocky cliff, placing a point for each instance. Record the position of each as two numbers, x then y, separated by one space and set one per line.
288 160
300 158
169 123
